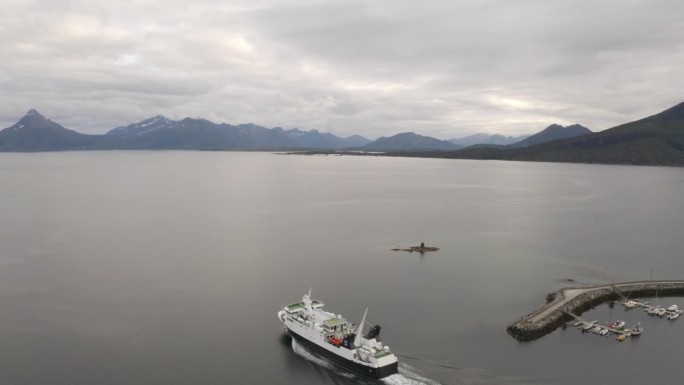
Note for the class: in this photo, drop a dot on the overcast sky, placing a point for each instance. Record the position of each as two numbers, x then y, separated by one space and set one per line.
439 68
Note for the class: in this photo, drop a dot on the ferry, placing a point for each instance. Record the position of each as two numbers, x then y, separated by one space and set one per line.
335 338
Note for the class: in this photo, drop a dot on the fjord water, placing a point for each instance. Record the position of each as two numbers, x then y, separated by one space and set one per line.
169 267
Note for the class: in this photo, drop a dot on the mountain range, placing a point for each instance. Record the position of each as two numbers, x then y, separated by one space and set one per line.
553 132
655 140
490 139
316 139
34 132
409 141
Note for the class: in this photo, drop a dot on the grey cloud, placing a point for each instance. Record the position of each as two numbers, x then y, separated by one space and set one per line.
440 68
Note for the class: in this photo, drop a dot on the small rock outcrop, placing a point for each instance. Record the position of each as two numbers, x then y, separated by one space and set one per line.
418 249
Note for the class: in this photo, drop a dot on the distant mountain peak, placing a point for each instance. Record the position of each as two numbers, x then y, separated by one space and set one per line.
148 125
571 127
554 132
672 113
34 132
314 139
487 139
410 141
158 118
32 118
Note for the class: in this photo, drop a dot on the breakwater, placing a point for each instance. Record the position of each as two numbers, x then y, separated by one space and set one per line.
578 300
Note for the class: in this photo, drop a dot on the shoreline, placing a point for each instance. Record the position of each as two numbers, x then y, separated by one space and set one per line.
575 300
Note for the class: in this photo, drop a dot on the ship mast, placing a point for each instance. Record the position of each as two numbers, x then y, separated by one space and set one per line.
359 330
307 300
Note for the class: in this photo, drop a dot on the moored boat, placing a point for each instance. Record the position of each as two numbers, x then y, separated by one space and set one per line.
587 326
630 304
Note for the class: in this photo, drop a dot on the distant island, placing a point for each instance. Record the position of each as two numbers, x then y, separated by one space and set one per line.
655 140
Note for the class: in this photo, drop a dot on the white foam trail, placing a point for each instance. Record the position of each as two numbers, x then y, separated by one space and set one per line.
309 356
407 376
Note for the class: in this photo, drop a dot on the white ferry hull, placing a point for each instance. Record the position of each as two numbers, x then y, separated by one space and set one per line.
375 372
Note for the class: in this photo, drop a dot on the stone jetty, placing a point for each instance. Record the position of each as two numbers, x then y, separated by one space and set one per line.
578 300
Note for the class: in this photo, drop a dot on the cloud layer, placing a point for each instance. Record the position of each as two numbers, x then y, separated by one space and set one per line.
440 68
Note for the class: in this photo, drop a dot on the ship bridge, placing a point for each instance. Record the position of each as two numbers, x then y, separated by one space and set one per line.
334 324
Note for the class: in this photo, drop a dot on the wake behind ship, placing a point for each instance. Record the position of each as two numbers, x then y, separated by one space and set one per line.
333 337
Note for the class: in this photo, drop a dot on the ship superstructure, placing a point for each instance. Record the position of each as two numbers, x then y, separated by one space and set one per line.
332 336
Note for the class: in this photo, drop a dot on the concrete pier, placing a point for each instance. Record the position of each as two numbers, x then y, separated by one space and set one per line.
578 300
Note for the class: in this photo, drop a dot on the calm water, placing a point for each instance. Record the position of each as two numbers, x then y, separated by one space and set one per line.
169 267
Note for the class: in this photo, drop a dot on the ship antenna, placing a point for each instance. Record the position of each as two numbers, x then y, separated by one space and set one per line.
359 331
307 300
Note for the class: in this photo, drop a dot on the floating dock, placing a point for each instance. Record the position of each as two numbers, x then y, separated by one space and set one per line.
576 301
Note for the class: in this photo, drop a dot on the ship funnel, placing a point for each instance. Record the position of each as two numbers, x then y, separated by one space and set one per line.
374 332
359 331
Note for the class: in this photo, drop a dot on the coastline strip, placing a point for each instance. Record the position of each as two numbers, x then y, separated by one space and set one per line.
577 300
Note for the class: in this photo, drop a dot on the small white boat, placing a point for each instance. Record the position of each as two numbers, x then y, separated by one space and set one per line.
603 332
617 325
673 308
636 329
588 325
661 312
597 330
673 316
630 304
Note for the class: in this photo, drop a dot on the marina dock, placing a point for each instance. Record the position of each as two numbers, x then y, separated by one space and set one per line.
567 302
622 332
